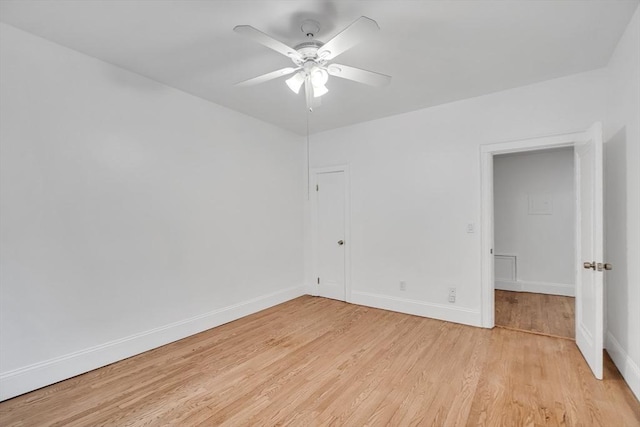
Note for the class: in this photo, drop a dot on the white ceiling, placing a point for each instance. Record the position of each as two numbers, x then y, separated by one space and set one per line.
436 51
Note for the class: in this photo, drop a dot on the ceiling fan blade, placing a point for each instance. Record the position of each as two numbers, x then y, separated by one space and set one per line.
358 75
267 41
360 29
266 77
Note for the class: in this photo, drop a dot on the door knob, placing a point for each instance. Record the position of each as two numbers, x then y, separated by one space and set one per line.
341 242
589 265
608 266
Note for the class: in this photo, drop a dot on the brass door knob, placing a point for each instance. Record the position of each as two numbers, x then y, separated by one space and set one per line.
608 266
589 265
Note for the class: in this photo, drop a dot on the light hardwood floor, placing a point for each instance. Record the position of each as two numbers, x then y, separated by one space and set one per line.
545 314
314 361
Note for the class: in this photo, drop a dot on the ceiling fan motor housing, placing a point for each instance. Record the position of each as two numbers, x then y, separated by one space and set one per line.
308 51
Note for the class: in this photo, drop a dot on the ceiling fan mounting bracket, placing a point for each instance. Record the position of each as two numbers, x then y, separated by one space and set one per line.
310 28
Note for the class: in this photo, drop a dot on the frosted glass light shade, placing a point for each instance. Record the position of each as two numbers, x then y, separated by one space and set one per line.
319 77
295 82
319 90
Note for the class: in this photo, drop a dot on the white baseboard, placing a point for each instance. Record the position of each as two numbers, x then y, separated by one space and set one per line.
32 377
627 367
536 287
450 313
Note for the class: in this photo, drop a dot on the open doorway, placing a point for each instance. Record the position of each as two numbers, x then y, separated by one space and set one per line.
588 264
534 238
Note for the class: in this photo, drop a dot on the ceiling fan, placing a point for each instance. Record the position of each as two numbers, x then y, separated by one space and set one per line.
312 59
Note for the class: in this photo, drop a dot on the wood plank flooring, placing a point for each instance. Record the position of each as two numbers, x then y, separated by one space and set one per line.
540 313
314 361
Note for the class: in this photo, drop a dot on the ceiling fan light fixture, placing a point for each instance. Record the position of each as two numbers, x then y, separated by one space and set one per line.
295 82
319 77
318 91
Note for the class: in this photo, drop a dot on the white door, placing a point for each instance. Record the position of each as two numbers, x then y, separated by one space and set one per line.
589 248
331 242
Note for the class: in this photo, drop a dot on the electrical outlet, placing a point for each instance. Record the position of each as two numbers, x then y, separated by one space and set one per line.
452 294
403 285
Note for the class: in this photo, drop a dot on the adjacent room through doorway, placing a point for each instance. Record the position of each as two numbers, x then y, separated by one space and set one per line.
534 208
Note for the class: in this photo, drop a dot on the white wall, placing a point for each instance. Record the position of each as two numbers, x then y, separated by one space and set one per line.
132 214
542 241
415 182
622 204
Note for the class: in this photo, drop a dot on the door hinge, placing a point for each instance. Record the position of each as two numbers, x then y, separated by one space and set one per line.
318 280
491 251
317 187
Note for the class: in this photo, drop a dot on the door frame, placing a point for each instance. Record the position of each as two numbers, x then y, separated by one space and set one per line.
487 151
347 226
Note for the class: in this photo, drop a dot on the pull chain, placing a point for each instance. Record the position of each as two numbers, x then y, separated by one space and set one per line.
308 161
